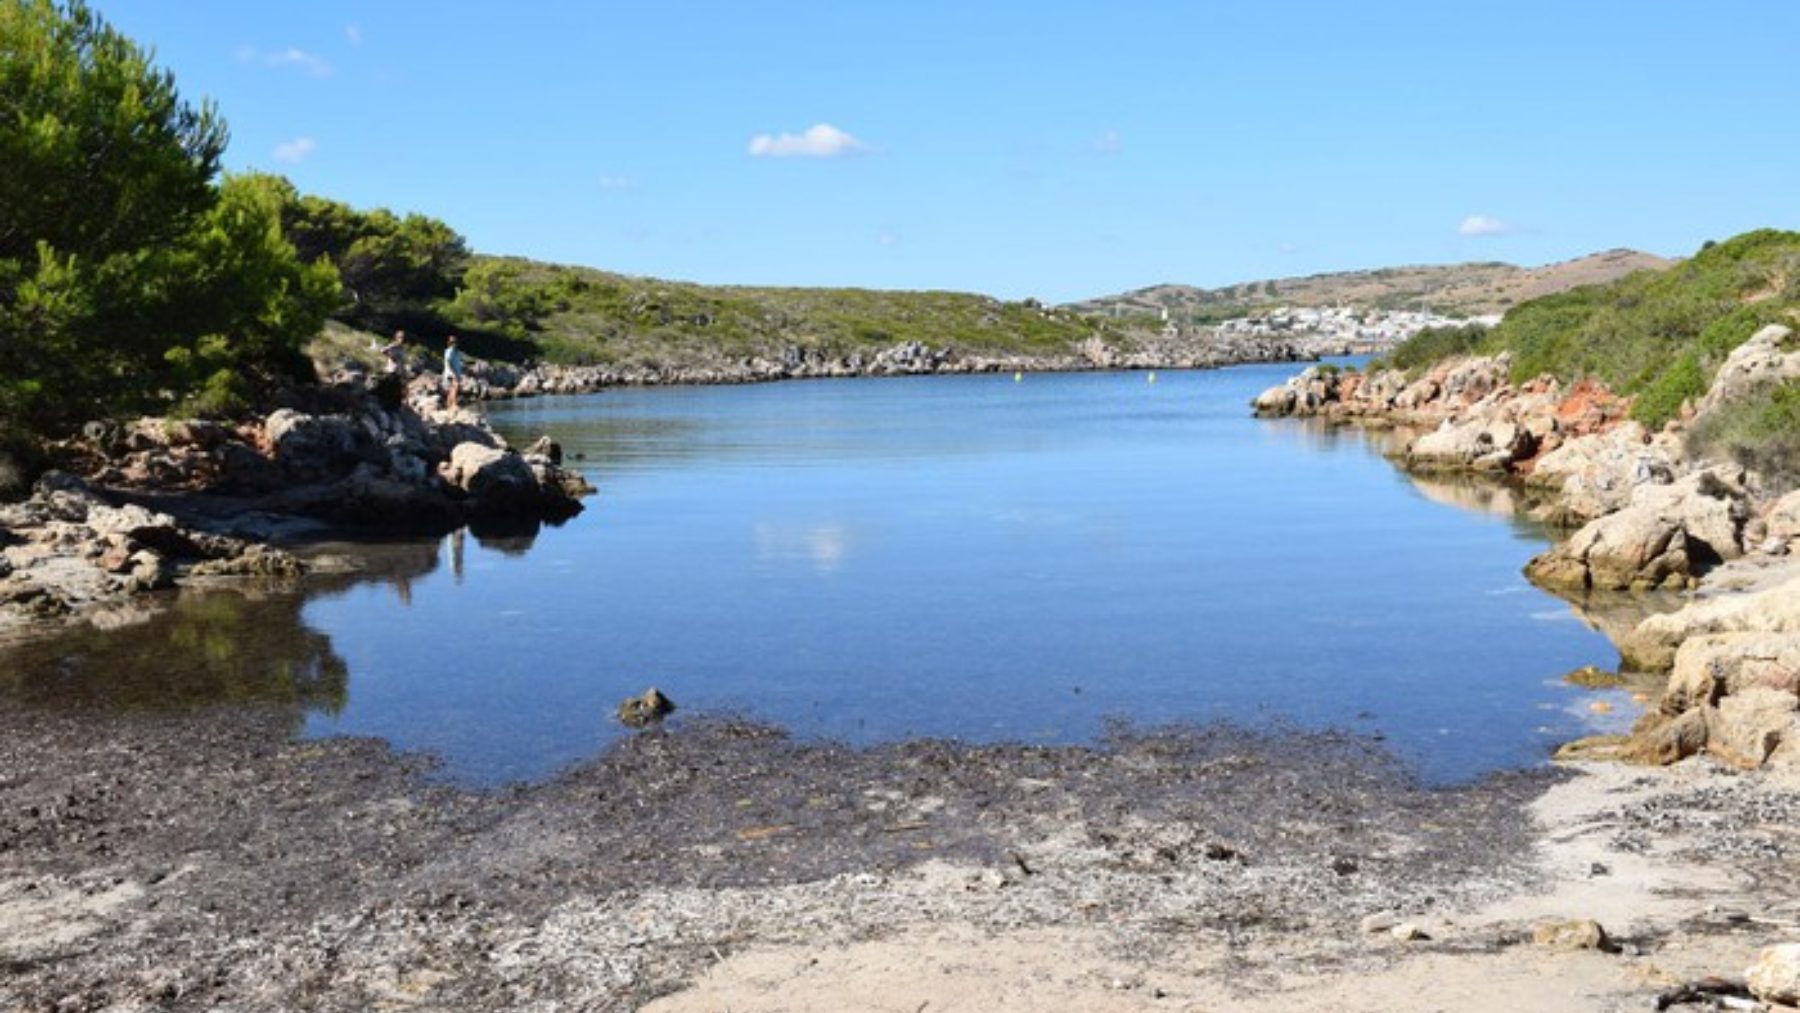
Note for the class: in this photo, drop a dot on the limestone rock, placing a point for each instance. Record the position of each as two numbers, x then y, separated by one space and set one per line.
1783 520
1769 356
1380 921
1575 934
1747 726
1652 646
1276 401
1709 667
490 475
546 448
1775 977
1666 537
1408 932
1487 444
1660 740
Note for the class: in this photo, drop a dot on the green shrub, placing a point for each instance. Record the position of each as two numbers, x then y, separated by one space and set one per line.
1658 335
1435 344
1760 431
128 277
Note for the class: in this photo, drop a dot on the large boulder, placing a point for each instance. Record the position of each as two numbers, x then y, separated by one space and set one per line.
1666 538
1653 646
1710 667
1771 355
311 447
1748 726
1596 474
1775 977
1479 443
1276 400
492 477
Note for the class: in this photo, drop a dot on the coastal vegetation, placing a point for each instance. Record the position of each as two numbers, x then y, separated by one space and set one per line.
577 315
1659 336
132 275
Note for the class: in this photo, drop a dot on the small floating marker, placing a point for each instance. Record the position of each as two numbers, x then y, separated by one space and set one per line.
1018 377
1153 377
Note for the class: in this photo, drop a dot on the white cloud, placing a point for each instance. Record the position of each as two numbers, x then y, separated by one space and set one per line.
617 183
821 140
1483 225
292 56
1109 143
353 32
295 151
887 237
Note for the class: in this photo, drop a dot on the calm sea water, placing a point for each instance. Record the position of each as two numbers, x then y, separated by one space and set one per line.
948 556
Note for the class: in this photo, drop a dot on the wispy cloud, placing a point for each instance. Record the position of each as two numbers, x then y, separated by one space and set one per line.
1484 225
292 57
353 33
295 151
821 140
1108 143
617 183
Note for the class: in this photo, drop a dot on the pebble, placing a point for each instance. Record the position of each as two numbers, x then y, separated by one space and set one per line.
1408 932
1380 921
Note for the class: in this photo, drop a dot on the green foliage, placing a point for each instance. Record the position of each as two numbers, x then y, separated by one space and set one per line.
393 268
1434 344
100 153
128 280
1659 335
1760 431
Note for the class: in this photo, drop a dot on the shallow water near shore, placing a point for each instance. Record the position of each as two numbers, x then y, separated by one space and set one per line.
868 560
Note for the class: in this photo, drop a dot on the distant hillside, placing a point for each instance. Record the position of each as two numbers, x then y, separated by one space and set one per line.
579 315
1461 290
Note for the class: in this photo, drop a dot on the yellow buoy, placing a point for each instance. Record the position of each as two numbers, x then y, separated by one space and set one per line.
1018 376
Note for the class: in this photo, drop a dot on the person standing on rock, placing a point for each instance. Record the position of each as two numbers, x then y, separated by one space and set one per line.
395 354
453 372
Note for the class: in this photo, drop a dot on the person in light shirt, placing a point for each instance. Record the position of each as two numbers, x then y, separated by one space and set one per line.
453 372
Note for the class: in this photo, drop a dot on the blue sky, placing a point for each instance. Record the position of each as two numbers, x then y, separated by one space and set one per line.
1042 149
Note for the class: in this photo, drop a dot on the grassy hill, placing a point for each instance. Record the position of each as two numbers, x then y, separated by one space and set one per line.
578 315
1453 290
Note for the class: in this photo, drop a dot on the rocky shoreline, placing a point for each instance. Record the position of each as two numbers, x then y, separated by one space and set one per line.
209 858
158 503
1642 513
498 380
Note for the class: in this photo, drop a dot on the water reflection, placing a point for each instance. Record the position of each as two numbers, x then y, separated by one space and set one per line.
242 644
228 646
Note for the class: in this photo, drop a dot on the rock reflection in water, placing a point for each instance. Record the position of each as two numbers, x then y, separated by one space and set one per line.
240 645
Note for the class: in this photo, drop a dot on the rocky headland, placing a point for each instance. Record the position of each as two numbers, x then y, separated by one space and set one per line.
159 502
1641 511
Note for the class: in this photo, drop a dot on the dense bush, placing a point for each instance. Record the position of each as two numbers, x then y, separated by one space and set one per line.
1658 334
129 279
1434 344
